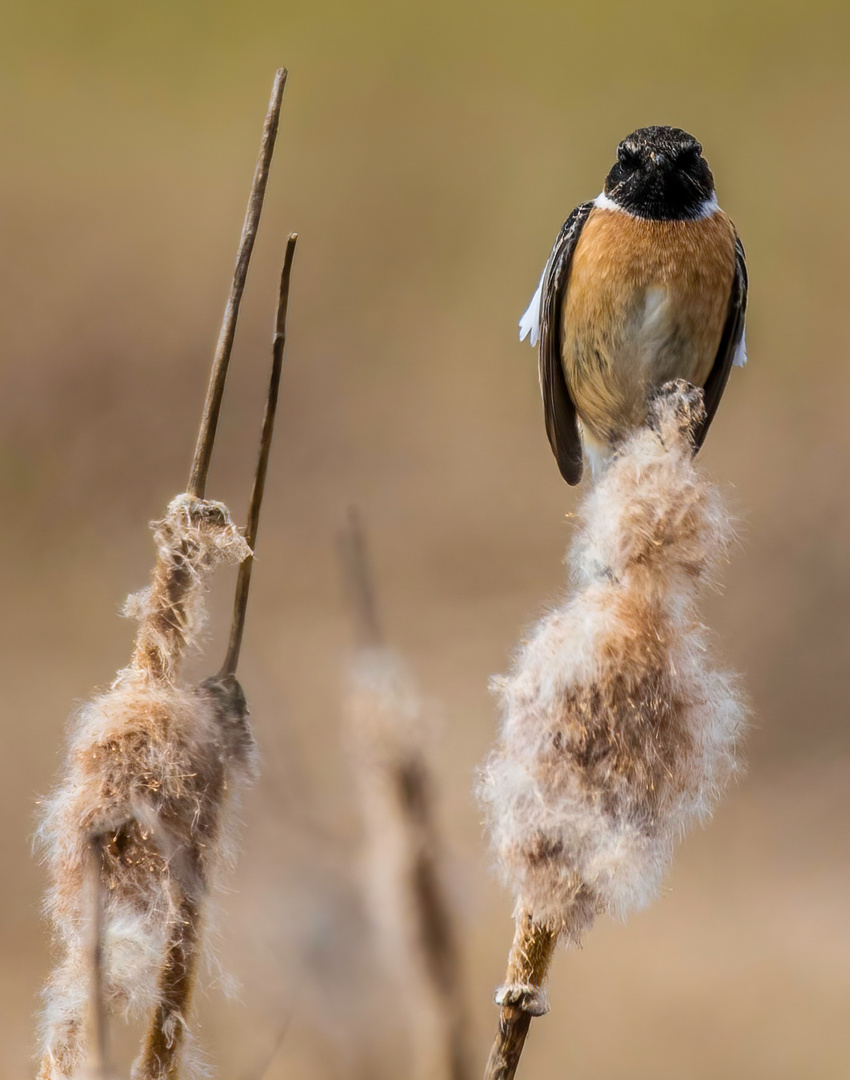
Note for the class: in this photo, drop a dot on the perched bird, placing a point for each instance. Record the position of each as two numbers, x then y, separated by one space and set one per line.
645 284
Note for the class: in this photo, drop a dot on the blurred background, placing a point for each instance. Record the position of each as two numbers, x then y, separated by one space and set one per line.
427 157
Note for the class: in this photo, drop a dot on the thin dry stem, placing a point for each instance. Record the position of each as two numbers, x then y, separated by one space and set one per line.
243 581
215 391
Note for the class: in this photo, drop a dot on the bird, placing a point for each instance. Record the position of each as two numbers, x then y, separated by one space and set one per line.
645 284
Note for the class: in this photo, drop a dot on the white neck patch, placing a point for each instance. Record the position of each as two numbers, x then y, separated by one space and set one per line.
706 209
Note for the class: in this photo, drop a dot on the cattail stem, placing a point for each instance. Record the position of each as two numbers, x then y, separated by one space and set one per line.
160 1058
215 390
243 581
98 1063
521 996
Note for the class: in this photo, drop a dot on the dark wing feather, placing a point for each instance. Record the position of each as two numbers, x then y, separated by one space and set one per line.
733 331
559 412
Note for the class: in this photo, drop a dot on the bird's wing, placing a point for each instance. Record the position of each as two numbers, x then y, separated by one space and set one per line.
732 349
559 412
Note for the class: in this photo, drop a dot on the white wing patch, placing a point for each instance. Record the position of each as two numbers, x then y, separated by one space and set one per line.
530 322
740 357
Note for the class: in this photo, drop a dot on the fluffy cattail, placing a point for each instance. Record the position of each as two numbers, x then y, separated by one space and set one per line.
388 734
617 731
148 770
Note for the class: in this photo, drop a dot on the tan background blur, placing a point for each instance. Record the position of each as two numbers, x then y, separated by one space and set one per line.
427 156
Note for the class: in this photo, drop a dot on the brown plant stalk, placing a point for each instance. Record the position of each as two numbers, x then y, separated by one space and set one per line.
618 732
412 914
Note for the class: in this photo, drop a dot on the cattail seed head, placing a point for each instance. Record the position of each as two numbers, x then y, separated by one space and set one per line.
617 731
149 770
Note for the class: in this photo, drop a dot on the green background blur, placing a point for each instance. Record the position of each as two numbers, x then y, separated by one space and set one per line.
427 156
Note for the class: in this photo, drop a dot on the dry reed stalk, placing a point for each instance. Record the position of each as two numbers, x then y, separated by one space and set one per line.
387 734
153 766
617 730
243 582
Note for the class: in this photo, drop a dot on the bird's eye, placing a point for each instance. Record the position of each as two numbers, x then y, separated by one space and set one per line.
627 157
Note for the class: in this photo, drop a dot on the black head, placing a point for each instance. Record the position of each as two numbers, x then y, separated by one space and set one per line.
660 173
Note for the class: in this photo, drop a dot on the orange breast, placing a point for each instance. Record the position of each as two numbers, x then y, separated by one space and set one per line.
646 302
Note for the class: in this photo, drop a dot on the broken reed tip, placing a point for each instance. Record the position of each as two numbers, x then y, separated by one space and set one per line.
283 291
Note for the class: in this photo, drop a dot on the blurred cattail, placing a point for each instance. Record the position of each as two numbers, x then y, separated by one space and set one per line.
388 734
149 765
617 731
